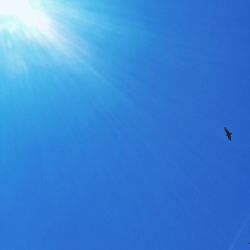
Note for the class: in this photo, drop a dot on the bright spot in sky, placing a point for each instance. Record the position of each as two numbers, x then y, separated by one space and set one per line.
54 33
34 31
23 14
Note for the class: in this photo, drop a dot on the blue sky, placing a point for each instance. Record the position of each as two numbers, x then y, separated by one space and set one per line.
111 129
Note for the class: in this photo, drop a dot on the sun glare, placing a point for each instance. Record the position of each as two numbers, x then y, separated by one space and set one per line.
24 14
47 33
14 7
27 24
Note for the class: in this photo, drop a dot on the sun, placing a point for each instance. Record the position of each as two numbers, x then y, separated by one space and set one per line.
28 32
16 8
23 14
40 32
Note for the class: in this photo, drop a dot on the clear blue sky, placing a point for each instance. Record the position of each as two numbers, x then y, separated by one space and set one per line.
111 128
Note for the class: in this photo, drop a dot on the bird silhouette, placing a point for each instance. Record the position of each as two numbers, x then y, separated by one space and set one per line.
228 134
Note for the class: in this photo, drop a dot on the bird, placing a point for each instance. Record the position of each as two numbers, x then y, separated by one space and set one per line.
228 134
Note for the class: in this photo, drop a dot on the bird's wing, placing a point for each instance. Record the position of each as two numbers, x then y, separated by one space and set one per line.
226 130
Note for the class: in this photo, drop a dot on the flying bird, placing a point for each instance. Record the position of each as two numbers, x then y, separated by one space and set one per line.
228 134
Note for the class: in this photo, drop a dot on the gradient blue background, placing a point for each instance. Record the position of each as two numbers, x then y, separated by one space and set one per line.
134 157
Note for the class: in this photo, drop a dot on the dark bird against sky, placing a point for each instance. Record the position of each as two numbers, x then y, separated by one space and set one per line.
228 134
